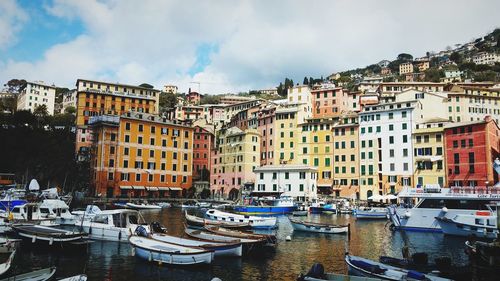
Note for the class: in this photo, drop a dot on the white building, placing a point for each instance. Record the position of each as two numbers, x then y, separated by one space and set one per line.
69 99
297 181
486 58
370 83
172 89
36 94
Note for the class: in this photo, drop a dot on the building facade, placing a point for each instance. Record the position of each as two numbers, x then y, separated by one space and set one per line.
297 181
36 94
406 67
329 102
203 143
140 155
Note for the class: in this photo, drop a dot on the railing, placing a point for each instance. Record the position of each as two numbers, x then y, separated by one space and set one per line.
475 190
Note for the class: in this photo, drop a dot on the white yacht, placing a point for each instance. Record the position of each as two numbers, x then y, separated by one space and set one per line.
433 201
113 225
53 210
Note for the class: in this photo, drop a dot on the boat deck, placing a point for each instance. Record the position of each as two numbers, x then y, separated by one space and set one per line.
41 230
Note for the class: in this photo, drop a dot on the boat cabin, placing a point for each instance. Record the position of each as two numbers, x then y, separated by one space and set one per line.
118 218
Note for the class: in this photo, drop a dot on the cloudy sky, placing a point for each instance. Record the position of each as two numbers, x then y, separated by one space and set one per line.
223 46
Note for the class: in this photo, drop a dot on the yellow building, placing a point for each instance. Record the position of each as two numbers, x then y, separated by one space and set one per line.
406 67
287 136
346 157
316 150
99 98
138 154
428 145
234 159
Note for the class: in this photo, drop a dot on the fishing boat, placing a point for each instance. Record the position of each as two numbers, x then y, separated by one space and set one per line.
482 224
4 267
112 225
81 277
267 206
37 275
8 245
316 207
253 221
249 244
142 206
220 249
162 252
317 273
299 225
196 221
435 201
266 239
369 268
370 213
48 235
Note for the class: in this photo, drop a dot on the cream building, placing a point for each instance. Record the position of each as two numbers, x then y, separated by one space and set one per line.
473 104
406 67
486 58
36 94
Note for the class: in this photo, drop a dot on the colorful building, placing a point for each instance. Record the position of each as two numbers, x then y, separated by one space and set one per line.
428 152
139 154
329 101
99 98
234 159
203 143
267 129
346 157
470 149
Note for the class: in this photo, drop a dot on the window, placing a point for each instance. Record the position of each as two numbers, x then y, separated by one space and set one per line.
391 139
405 152
127 138
405 138
391 115
327 162
301 187
403 114
141 128
391 153
316 162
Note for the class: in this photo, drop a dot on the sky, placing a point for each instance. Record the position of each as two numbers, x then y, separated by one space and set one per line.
224 46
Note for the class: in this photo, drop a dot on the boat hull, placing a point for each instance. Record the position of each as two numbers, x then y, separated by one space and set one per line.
264 210
449 227
360 214
116 234
318 229
219 249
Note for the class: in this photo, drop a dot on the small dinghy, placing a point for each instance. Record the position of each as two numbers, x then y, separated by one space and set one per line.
249 244
241 234
368 268
220 249
4 267
299 225
142 206
81 277
48 235
299 213
317 273
231 218
37 275
200 222
162 252
370 213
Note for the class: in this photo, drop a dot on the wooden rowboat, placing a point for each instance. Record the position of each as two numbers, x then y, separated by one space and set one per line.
299 225
37 275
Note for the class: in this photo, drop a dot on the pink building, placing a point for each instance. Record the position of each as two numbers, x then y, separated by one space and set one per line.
266 118
203 144
329 102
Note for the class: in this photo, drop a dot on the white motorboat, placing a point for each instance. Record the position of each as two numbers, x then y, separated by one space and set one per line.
482 224
113 225
196 221
4 267
169 253
254 221
370 213
220 249
37 275
303 226
195 204
142 206
87 214
8 245
48 209
434 201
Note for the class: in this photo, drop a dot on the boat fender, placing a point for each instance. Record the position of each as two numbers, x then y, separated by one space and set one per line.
288 238
33 239
407 214
51 241
416 275
444 210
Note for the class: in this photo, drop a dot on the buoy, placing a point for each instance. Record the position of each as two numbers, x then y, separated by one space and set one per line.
216 279
288 238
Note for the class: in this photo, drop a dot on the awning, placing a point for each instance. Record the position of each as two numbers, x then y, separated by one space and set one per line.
162 188
175 188
138 187
151 188
125 187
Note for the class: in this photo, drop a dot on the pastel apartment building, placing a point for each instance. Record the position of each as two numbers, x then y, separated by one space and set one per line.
140 155
328 102
35 94
406 67
203 143
99 98
486 58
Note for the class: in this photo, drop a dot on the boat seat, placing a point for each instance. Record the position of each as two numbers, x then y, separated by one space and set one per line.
373 268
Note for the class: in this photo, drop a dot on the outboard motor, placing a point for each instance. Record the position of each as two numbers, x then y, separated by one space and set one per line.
141 231
156 227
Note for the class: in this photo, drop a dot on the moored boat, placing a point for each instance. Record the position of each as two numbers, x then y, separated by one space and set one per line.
4 267
37 275
8 245
369 268
267 238
370 213
249 244
48 235
196 221
299 225
162 252
112 225
81 277
142 206
317 273
299 213
253 221
267 206
330 209
220 249
482 224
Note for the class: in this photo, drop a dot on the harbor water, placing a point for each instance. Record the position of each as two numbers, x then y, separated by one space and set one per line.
370 239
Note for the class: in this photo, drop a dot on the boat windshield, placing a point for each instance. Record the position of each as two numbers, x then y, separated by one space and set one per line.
454 204
133 219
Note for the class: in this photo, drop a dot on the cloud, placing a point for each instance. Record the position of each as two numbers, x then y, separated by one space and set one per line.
12 17
232 46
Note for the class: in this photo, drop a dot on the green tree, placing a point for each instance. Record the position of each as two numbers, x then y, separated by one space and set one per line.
146 85
167 100
306 81
70 110
433 74
15 85
456 57
405 57
210 99
8 104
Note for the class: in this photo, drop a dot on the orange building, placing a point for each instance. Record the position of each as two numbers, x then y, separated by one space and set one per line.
99 98
140 155
329 102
